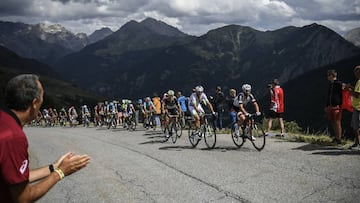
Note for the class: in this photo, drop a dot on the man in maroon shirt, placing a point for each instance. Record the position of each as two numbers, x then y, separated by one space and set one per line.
23 99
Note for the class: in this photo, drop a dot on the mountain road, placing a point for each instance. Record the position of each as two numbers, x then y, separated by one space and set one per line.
138 166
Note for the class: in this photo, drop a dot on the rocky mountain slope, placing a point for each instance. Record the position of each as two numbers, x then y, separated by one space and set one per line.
45 42
136 61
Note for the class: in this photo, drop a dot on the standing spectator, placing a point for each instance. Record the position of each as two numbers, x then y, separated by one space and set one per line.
182 102
219 100
355 121
23 99
157 103
230 101
276 105
333 104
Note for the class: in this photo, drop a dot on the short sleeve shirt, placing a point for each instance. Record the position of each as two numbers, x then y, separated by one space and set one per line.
14 161
356 101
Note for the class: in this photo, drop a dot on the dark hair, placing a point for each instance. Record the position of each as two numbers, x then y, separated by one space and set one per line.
276 82
20 91
332 72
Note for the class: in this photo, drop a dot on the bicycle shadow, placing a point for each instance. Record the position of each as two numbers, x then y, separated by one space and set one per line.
153 142
219 149
175 148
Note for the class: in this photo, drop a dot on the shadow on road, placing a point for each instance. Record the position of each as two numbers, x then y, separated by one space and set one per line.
219 149
327 150
339 152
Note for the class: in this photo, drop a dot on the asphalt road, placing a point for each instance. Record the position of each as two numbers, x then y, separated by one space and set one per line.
139 167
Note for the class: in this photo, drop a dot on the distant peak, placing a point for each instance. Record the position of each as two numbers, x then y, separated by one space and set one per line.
54 28
161 28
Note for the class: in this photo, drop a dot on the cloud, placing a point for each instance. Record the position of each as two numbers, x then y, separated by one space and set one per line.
194 17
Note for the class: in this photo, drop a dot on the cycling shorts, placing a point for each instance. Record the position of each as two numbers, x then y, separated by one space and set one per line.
194 112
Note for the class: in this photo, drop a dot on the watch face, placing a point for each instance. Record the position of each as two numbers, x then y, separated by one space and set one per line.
51 168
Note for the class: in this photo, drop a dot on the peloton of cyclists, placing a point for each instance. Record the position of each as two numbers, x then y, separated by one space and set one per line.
195 107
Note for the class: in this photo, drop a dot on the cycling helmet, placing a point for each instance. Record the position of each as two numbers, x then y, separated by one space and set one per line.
171 93
199 88
139 101
246 88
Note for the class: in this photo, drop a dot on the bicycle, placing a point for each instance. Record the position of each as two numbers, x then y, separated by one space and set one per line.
130 122
205 131
111 121
173 128
150 121
251 130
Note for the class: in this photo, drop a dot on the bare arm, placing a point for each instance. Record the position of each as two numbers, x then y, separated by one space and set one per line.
256 106
41 173
25 192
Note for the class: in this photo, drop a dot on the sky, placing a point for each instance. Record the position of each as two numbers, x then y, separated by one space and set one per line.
195 17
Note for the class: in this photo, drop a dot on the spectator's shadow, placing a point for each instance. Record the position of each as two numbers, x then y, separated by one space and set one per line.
327 150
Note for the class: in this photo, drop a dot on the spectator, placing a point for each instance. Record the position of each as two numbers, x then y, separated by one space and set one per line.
276 105
219 100
355 121
333 104
23 99
157 103
232 109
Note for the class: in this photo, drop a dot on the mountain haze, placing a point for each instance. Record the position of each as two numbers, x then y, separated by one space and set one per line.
353 36
44 42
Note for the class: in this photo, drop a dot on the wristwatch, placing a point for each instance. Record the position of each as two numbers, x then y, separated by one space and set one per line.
51 168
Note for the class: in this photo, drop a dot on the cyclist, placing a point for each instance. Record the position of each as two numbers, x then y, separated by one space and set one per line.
63 117
170 108
111 112
72 116
85 113
148 110
241 101
195 107
129 111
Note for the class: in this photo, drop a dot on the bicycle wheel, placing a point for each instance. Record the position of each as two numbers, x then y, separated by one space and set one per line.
236 137
258 133
209 136
173 132
194 141
179 129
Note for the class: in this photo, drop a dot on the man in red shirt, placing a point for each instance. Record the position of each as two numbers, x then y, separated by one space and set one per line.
23 99
276 105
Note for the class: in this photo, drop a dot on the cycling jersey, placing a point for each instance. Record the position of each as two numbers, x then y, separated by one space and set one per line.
243 99
171 106
195 100
148 106
111 108
129 108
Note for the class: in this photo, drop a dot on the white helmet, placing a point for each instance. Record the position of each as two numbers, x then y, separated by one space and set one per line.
199 88
246 88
